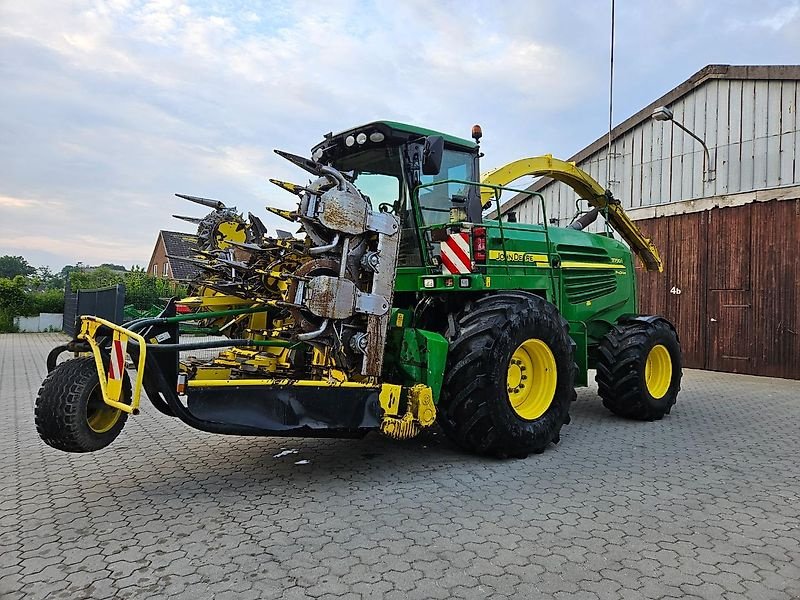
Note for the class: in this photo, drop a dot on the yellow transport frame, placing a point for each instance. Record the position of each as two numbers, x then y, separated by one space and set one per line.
111 388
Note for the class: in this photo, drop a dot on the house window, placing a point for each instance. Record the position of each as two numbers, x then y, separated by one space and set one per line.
155 270
166 269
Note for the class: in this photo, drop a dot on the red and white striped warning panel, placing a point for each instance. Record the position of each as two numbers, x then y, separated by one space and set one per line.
456 254
116 367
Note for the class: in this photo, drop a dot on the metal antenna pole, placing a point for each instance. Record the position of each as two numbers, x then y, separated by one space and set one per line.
610 100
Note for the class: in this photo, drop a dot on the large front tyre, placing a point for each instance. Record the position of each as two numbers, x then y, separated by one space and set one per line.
510 376
70 412
639 369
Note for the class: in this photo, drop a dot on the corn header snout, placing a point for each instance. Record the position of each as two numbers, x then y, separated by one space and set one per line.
303 322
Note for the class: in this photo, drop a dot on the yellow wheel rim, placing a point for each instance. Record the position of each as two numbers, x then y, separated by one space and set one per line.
230 231
100 416
531 379
658 371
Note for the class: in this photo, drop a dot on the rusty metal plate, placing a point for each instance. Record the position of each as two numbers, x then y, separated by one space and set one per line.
343 211
330 297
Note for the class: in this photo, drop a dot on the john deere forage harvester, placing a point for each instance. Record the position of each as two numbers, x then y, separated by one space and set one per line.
397 306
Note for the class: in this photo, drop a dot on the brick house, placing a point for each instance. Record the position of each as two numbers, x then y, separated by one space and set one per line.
172 244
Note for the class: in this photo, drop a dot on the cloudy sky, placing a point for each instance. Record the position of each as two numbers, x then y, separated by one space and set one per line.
108 107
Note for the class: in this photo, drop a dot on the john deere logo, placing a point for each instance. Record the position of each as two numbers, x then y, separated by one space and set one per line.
512 256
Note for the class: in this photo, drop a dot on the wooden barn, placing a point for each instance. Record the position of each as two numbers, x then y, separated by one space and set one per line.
722 205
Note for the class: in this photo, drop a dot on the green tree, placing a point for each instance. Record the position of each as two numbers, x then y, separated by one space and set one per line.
45 279
69 269
11 266
94 278
47 301
14 301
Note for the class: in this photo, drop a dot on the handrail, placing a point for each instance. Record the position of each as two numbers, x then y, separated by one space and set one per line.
497 189
587 188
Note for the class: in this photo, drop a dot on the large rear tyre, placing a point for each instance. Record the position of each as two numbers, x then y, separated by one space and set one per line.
70 412
639 369
510 376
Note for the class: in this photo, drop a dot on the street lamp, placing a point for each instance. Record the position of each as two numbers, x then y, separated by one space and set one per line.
662 113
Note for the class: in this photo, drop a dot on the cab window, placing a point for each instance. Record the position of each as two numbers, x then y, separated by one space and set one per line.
435 201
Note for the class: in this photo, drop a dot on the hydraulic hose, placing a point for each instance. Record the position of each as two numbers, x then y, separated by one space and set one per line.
216 344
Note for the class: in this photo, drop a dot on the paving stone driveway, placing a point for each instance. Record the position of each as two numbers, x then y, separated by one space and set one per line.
705 504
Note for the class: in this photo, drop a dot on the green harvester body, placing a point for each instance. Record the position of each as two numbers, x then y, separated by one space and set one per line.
405 304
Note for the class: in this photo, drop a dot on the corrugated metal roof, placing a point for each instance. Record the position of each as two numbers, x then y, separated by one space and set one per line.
710 72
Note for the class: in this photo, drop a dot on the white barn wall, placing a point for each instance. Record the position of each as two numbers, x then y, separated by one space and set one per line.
750 126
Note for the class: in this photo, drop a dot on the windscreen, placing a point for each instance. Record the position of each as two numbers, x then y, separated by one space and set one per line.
435 202
377 172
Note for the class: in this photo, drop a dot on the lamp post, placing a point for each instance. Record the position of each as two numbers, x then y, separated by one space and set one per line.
662 113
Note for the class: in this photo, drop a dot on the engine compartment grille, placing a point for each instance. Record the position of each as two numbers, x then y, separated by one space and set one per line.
583 283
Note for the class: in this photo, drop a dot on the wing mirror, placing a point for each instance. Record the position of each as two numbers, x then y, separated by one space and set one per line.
432 155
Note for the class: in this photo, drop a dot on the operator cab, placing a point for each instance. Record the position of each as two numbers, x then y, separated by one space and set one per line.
398 166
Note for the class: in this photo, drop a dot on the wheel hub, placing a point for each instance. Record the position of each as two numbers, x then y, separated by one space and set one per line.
100 416
531 379
658 371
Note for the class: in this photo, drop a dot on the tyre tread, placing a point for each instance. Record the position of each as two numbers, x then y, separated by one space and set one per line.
620 361
58 410
464 411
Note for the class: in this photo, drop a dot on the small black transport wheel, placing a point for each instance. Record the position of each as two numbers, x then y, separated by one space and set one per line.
639 369
510 376
70 412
